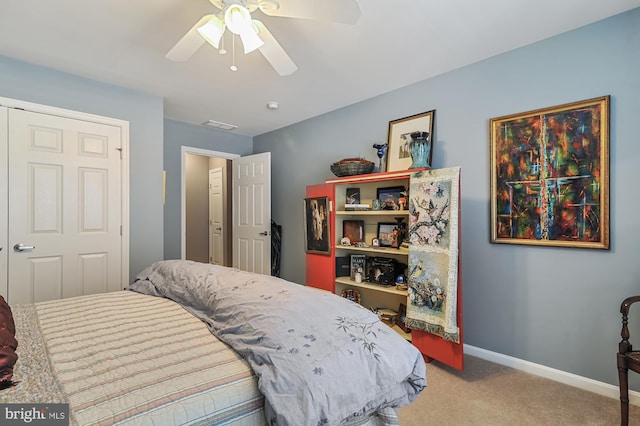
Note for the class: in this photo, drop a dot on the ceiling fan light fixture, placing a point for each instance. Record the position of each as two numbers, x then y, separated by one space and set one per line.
212 31
250 40
237 18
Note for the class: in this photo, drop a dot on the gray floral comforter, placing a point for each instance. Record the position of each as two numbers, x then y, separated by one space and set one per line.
320 359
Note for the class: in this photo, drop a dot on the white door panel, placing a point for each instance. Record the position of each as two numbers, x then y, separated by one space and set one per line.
252 213
65 200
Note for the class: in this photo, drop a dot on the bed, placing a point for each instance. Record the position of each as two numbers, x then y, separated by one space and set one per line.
192 343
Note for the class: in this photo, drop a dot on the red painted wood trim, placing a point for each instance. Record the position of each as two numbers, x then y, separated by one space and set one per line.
372 177
321 269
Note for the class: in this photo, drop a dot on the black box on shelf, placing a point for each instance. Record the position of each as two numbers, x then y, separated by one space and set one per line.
383 270
342 266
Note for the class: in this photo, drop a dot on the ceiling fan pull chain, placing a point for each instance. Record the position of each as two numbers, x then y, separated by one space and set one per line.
222 50
233 53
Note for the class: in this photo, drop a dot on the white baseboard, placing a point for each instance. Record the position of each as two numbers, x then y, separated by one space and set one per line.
584 383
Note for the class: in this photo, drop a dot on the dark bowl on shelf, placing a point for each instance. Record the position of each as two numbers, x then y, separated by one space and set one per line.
352 166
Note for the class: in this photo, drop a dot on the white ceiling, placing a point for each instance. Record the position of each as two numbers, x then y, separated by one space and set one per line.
395 43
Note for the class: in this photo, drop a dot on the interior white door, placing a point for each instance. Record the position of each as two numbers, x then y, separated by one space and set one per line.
65 207
252 213
216 217
4 185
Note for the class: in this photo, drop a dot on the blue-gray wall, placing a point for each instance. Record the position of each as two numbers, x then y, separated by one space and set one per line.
26 82
558 307
177 135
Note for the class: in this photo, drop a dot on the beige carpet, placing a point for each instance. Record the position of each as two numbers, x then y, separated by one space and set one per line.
491 394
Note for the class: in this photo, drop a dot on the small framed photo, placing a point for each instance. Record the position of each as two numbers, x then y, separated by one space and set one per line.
391 197
353 230
400 318
317 225
388 234
399 151
353 196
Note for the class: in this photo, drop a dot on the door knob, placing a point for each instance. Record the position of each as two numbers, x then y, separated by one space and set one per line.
22 247
265 233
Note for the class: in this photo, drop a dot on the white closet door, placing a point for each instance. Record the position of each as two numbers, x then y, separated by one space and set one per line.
65 207
4 232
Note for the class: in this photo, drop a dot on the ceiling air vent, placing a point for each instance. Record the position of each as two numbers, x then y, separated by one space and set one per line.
219 125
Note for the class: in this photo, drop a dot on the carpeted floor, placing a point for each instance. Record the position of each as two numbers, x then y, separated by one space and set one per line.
491 394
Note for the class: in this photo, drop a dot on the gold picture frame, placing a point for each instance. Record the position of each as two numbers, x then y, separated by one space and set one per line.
550 176
398 152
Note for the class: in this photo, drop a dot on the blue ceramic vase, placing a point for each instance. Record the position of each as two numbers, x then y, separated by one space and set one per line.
420 147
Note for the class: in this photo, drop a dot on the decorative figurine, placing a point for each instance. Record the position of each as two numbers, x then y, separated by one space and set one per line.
381 147
402 231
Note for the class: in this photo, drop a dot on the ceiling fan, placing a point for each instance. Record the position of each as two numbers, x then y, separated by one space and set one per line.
235 15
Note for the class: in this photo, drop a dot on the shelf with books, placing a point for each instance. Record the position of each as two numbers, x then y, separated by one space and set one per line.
376 287
384 251
372 212
370 234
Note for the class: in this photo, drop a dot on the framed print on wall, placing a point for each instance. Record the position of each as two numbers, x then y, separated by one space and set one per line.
316 215
550 176
398 151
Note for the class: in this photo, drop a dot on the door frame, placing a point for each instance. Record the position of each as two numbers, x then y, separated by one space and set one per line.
124 172
184 150
225 219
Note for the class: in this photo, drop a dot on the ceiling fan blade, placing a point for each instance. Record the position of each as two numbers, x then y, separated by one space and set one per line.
189 43
342 11
273 52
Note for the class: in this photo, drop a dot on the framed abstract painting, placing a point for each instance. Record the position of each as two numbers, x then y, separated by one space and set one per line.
550 176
